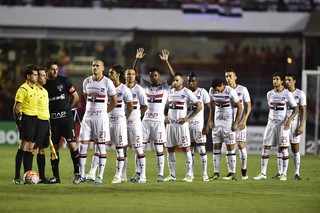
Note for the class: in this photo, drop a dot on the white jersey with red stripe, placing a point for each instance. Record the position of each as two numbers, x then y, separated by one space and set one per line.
178 104
244 97
139 99
117 115
224 101
157 98
197 121
300 98
97 93
278 103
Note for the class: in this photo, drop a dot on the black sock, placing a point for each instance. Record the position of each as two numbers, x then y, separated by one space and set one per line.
27 161
41 160
75 160
55 166
19 158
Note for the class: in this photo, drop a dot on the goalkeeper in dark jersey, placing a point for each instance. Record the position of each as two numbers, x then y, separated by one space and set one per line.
62 97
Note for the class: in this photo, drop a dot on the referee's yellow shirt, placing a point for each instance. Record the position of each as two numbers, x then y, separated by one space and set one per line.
28 97
43 104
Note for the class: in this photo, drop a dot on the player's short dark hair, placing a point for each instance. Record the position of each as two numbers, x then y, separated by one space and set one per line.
120 70
278 74
99 59
117 68
293 76
28 69
192 75
230 69
41 68
178 74
155 69
217 82
51 62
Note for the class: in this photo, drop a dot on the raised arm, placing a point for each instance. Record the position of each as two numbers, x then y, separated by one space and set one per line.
165 57
139 55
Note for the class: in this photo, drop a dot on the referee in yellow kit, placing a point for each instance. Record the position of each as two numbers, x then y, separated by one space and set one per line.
25 112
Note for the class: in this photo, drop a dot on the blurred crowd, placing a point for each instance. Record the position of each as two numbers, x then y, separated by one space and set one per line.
247 5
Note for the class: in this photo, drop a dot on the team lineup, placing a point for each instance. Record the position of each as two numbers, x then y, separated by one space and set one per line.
126 110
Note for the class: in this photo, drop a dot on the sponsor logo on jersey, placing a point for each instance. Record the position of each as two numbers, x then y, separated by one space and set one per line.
151 114
60 87
58 115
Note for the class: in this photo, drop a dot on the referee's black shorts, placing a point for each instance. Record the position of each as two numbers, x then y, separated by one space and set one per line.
65 128
42 134
28 127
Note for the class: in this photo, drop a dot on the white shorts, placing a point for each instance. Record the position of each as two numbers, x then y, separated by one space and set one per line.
293 138
135 137
275 135
197 136
118 134
95 129
220 134
241 135
153 131
178 135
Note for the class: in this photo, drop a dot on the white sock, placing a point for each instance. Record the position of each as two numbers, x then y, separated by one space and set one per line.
232 159
280 162
189 163
160 158
119 162
216 160
243 157
172 163
285 159
264 161
193 159
136 163
124 169
141 159
296 162
228 164
102 159
94 165
83 159
203 159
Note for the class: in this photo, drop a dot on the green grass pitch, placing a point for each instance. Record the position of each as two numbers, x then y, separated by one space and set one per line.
223 196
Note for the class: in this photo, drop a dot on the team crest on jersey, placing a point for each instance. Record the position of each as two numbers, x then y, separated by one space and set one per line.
173 104
94 97
191 107
60 87
152 98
